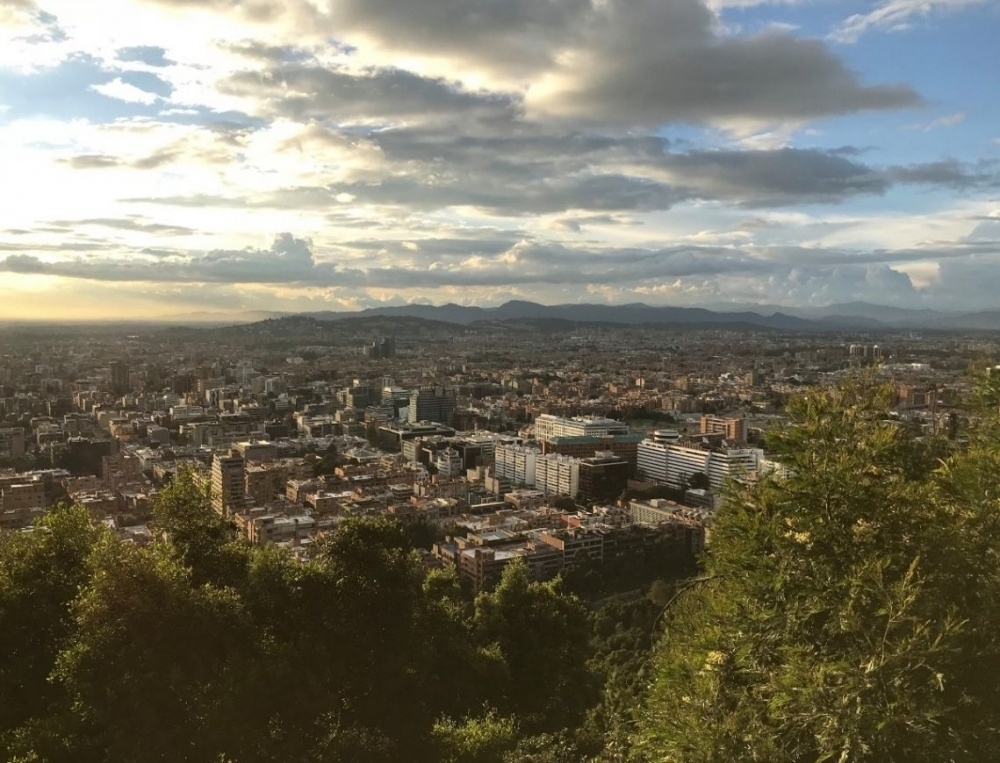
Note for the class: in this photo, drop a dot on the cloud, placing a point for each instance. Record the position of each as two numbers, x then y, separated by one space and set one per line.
126 224
518 36
775 178
615 62
895 16
949 173
464 262
305 91
123 91
653 63
93 162
528 169
950 120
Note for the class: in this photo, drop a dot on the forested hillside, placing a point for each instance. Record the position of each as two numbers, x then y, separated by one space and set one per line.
845 613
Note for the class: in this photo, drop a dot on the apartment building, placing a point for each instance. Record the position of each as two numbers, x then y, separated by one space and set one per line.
558 475
516 463
228 483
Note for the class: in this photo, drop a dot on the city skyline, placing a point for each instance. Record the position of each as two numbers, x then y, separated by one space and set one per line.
167 156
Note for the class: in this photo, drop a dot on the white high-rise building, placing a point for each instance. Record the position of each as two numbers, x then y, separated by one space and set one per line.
558 475
683 461
516 463
651 460
673 464
735 462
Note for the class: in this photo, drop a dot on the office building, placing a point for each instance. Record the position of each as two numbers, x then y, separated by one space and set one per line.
392 436
603 477
548 427
432 404
624 445
380 349
449 463
119 377
732 463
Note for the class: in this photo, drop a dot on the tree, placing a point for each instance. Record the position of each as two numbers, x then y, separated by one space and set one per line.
542 635
698 481
155 659
840 614
40 575
205 540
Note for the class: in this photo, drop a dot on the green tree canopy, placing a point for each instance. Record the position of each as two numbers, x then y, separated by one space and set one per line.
542 634
846 612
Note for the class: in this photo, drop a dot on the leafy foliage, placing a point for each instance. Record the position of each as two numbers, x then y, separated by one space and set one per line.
841 616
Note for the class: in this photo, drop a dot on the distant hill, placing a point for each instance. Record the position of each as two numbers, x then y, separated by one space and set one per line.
632 314
851 316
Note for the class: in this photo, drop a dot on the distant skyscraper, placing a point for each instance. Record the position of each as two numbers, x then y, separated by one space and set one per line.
381 348
119 377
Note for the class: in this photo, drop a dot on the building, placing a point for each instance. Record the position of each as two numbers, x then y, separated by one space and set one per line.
448 463
25 495
651 460
516 463
392 436
724 465
734 430
674 464
228 484
256 451
624 445
558 475
548 427
12 442
603 477
119 377
432 404
380 349
684 461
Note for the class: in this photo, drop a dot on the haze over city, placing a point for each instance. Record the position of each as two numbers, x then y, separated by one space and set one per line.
166 157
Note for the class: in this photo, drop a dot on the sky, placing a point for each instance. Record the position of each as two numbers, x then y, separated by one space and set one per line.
170 157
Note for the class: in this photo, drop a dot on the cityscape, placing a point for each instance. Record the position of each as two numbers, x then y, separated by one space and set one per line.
499 381
294 424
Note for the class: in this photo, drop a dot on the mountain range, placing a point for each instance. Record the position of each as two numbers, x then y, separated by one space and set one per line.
854 315
858 316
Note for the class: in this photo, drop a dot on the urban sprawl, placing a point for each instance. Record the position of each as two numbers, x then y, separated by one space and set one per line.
556 445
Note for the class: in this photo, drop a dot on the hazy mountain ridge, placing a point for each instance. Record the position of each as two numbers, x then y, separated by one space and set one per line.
856 316
631 314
